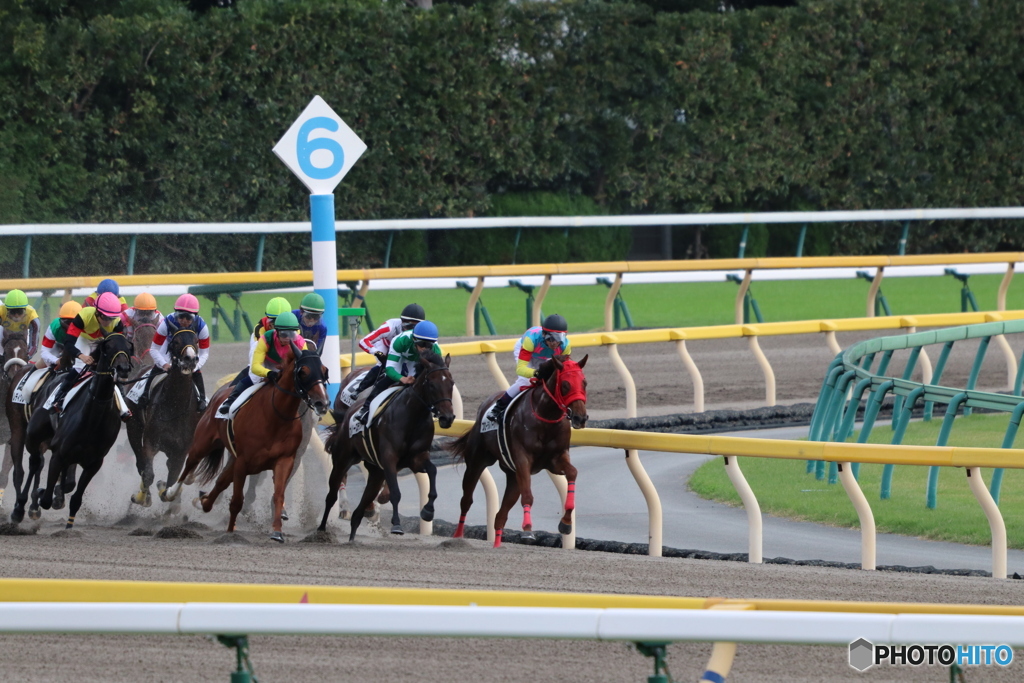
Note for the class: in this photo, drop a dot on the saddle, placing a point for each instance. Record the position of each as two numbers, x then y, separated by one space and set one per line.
488 423
28 385
376 408
139 388
242 399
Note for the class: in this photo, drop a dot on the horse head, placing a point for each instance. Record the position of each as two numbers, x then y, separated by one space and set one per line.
434 385
15 354
115 355
565 383
184 350
311 379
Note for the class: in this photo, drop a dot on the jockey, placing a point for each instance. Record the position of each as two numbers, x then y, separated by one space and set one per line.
272 347
17 318
378 342
185 317
103 287
143 312
56 334
402 358
92 324
310 314
275 307
537 345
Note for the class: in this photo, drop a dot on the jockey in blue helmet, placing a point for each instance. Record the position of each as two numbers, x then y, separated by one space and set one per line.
403 356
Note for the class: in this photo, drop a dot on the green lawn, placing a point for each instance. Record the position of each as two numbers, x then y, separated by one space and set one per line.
666 305
783 488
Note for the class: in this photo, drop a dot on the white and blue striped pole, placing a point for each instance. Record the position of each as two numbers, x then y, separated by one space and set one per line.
325 281
320 149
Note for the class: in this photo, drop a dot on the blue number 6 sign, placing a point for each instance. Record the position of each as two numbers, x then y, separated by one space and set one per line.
305 148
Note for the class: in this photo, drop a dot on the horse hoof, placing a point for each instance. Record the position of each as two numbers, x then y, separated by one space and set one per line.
277 536
197 502
345 514
34 513
145 501
284 515
427 515
527 536
161 491
396 530
17 515
564 528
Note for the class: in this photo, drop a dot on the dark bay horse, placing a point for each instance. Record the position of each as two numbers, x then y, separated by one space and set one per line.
86 431
13 360
538 431
399 439
169 420
264 435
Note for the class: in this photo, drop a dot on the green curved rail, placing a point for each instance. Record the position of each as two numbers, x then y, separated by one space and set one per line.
834 415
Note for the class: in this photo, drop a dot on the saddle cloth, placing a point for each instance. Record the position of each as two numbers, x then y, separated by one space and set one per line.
70 395
28 385
488 424
135 393
242 399
376 407
351 392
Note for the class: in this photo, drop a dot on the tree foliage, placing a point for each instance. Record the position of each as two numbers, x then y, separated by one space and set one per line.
143 110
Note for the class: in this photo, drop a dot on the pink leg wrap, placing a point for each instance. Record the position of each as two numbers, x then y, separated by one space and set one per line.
570 497
460 529
497 538
527 522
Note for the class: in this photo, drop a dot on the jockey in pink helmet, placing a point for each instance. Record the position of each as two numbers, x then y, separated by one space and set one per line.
92 324
184 317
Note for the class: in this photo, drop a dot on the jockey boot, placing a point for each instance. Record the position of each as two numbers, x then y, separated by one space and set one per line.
236 391
144 399
62 390
500 405
197 380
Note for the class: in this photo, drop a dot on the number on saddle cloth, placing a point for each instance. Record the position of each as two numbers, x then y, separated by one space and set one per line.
380 402
28 385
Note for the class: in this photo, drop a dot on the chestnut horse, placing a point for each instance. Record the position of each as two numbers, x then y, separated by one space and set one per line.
263 435
401 438
13 361
537 432
169 420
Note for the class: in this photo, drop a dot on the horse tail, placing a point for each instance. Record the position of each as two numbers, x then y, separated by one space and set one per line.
465 445
209 466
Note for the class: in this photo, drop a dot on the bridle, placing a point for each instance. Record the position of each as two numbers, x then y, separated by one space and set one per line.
111 362
145 351
302 394
432 407
562 402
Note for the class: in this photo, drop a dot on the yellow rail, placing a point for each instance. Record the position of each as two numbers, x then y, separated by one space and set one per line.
367 276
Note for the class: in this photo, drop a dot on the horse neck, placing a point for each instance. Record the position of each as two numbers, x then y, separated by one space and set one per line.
415 402
287 400
545 402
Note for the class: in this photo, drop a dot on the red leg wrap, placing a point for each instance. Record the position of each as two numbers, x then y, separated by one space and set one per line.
460 529
497 538
570 497
527 521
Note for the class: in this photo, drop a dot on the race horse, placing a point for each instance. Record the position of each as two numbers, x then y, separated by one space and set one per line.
263 435
399 438
537 431
85 431
170 418
13 359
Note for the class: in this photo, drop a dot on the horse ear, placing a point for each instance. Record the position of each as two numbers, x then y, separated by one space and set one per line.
320 350
447 360
296 350
584 361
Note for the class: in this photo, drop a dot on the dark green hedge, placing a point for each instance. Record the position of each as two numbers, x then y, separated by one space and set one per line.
146 112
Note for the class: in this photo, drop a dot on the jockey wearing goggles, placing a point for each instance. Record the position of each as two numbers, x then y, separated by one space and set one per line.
403 356
142 312
272 348
92 324
184 317
378 342
53 341
539 344
19 319
310 314
102 288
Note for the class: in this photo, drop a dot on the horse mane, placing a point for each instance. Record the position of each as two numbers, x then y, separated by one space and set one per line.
428 358
547 368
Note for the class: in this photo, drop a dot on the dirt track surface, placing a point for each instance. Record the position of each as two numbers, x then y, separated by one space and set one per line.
732 378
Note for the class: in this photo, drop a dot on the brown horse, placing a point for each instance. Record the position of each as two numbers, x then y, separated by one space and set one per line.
400 438
263 435
169 420
344 512
537 432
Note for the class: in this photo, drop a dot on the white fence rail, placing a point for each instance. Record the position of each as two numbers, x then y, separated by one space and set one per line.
674 625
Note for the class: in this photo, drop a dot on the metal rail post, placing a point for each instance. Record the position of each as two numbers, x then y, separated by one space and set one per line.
940 366
754 530
864 514
1008 439
947 426
902 420
979 358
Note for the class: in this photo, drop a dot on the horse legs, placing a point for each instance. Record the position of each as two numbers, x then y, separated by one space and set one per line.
337 480
53 472
469 481
175 461
227 476
35 469
391 477
564 467
144 454
507 501
282 473
526 491
237 477
64 486
5 471
76 499
427 513
373 482
250 492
